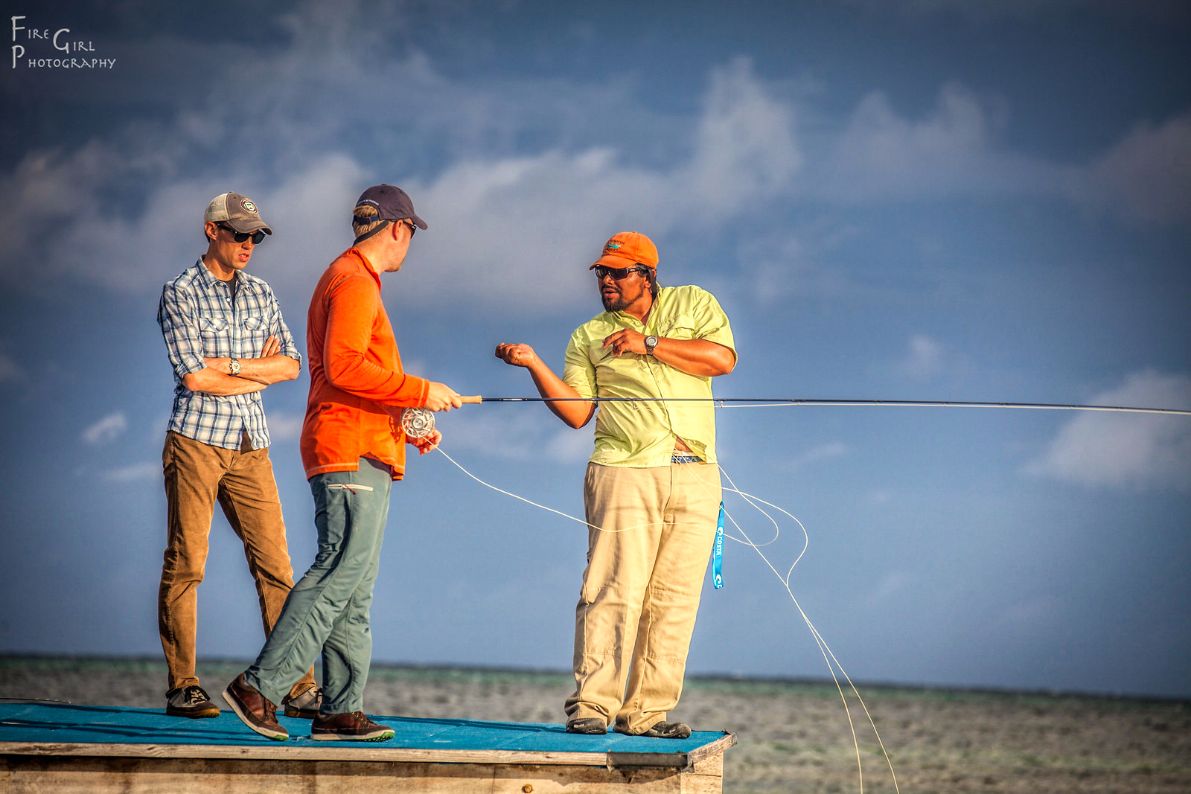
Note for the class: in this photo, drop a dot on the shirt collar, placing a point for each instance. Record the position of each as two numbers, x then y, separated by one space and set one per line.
366 264
209 279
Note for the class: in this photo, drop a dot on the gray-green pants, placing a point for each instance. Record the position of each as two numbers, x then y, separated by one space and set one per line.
328 609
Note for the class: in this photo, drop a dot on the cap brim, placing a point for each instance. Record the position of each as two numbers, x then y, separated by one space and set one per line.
250 226
421 224
615 261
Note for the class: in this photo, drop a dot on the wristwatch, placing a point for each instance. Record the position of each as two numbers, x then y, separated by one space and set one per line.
234 366
650 343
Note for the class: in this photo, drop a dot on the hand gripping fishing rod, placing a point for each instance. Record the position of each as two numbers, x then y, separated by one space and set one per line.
418 422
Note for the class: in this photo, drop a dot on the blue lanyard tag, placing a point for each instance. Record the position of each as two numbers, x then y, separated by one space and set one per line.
717 552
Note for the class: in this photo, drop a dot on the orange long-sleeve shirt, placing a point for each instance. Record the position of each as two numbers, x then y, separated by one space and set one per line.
357 386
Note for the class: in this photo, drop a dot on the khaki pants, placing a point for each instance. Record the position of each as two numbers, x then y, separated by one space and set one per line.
196 475
641 589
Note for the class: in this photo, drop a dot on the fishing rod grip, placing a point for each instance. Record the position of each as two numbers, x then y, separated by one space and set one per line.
473 399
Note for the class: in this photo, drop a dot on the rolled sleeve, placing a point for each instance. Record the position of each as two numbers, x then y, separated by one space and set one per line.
279 329
712 323
578 371
179 328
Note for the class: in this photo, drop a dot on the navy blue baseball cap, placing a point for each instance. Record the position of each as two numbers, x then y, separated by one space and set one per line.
392 203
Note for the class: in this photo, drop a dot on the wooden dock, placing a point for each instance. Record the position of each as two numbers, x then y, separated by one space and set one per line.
68 747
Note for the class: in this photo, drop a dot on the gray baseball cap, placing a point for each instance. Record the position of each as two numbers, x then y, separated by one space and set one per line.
238 212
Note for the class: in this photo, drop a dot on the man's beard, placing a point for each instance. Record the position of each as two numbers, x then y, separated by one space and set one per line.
613 303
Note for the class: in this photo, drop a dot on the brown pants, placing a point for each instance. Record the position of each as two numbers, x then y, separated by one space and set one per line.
197 474
641 589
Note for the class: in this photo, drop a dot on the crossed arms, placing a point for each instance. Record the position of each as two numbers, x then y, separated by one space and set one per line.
270 367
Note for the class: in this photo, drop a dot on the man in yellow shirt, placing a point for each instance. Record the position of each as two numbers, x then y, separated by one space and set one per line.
652 489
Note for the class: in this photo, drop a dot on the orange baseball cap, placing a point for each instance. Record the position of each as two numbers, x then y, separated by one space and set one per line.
625 249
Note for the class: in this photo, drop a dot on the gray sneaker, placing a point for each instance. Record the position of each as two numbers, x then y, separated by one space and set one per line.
190 701
589 725
305 706
663 730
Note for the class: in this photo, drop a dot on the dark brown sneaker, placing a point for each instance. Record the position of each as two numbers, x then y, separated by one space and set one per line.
304 706
254 709
591 725
351 726
190 701
664 730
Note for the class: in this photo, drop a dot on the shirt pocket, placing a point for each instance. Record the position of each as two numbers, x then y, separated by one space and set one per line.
597 354
211 326
682 327
254 323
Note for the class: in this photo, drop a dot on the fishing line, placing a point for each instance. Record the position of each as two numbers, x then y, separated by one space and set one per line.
824 648
829 658
419 423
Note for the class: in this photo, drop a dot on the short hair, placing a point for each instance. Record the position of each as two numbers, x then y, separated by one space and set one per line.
365 218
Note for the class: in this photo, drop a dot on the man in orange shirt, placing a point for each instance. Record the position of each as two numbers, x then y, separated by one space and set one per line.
352 449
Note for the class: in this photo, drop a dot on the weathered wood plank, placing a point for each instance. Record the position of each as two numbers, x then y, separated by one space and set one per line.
289 752
37 773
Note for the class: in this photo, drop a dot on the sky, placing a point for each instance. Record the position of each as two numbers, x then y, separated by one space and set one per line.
921 200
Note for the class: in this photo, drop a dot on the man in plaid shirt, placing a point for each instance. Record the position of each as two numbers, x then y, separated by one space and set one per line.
226 341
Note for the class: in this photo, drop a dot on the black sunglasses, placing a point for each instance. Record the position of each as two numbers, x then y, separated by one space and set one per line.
617 273
413 229
258 236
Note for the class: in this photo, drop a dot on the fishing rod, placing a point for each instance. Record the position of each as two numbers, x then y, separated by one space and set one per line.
776 402
419 422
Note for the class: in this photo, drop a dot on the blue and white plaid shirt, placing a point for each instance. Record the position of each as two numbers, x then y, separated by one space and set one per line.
198 320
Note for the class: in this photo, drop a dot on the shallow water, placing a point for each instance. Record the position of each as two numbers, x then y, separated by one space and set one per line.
793 736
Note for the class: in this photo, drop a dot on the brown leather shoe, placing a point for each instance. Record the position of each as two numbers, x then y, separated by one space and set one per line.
254 709
352 726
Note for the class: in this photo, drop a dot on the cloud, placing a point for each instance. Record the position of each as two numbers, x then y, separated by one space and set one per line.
501 189
952 150
1145 177
889 586
923 358
492 211
1125 450
10 371
106 429
136 472
784 264
820 452
284 425
956 150
517 436
563 205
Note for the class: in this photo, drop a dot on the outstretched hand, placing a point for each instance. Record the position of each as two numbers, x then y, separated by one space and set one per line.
516 354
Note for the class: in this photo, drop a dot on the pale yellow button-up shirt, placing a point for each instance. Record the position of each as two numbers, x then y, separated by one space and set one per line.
641 434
